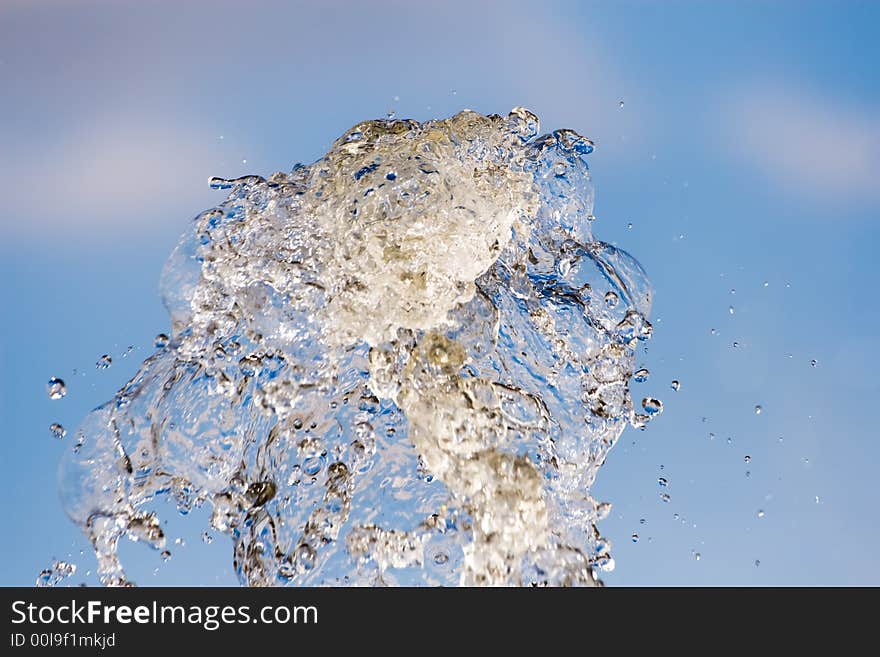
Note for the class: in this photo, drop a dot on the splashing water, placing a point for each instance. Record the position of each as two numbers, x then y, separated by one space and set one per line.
402 364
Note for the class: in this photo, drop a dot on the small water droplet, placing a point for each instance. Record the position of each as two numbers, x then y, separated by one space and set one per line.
747 458
735 344
758 409
757 562
730 309
56 388
104 362
642 521
440 558
733 290
161 341
611 299
635 538
641 375
165 554
602 510
697 556
665 497
57 430
813 362
207 538
675 385
652 406
818 501
662 481
244 161
713 331
760 513
629 226
620 104
390 113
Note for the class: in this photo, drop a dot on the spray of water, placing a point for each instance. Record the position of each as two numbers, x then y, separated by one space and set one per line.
402 364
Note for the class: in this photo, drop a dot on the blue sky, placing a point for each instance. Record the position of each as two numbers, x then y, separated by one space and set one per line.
746 152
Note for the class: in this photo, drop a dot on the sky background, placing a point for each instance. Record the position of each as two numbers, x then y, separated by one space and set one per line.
745 156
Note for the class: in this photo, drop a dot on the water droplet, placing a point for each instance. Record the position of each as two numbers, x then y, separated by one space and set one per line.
161 341
244 161
642 521
675 385
735 345
440 558
611 299
662 481
758 409
818 501
207 538
602 510
747 458
165 554
766 283
635 538
56 388
813 362
757 562
606 563
713 331
760 513
652 406
733 290
730 309
629 226
620 104
641 375
391 175
697 556
665 497
57 430
104 362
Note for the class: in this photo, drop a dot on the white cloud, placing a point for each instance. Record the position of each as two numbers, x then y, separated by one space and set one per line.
811 146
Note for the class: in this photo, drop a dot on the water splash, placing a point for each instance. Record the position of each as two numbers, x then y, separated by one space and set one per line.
402 364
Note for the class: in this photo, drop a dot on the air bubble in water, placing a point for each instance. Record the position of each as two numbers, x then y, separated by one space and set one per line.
56 388
57 430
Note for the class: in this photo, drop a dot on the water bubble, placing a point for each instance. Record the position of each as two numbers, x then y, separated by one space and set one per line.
57 430
713 331
652 406
611 299
635 538
641 375
629 226
733 290
735 344
642 521
104 362
757 562
675 385
665 497
766 283
747 458
760 513
662 481
813 362
758 409
165 554
161 341
620 104
56 388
